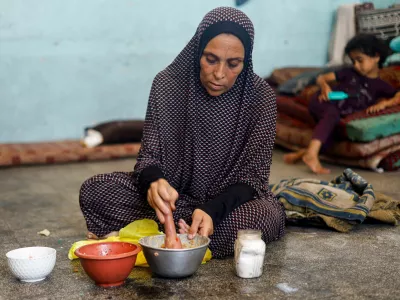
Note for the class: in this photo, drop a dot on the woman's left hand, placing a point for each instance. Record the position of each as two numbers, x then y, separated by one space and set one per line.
201 224
377 107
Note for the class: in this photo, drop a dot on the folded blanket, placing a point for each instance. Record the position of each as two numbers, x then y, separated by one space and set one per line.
369 129
379 154
372 162
347 197
292 107
299 134
341 203
357 127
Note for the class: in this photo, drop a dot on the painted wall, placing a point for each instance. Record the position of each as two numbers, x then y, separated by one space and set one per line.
383 3
68 64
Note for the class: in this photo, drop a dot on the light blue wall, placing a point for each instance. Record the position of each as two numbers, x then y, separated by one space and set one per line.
68 64
383 3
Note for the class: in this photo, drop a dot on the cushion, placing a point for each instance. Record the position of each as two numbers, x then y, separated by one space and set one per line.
299 134
370 162
395 44
281 75
296 84
292 106
61 152
393 60
378 154
363 127
369 129
357 127
120 132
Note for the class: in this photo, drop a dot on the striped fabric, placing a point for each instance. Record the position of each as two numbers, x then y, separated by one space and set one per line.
383 23
347 197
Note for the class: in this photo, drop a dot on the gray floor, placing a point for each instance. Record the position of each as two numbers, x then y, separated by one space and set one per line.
313 263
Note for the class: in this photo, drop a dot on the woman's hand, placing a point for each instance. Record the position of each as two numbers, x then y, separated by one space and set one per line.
377 107
201 224
161 196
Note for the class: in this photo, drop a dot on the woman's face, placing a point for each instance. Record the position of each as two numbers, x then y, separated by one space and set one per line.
221 63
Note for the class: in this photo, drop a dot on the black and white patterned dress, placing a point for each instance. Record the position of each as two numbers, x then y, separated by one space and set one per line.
203 145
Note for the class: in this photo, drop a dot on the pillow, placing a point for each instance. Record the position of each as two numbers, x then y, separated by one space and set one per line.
395 44
113 132
281 75
392 60
297 84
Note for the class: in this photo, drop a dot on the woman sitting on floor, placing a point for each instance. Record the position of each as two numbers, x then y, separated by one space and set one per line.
206 149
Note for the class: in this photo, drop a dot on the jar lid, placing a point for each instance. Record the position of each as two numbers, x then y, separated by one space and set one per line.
249 234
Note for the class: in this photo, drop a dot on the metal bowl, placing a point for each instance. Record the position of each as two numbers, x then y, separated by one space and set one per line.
174 263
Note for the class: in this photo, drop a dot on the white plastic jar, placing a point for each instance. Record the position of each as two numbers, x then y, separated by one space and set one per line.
249 254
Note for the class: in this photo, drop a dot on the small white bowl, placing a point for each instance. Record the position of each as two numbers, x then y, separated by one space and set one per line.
31 264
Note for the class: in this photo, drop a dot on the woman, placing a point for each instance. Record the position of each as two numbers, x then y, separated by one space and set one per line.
206 148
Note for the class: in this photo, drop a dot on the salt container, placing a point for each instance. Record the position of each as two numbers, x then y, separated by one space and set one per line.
249 254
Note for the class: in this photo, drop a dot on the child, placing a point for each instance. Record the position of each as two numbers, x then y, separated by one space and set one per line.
364 87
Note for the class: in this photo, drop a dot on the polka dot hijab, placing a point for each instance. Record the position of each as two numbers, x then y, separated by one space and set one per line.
204 144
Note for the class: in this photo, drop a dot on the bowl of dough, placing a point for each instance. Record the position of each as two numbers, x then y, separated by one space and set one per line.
174 263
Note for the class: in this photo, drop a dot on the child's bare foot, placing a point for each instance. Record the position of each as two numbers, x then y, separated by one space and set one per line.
314 164
294 157
183 227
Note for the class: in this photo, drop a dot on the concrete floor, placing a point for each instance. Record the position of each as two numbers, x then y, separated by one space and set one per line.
313 263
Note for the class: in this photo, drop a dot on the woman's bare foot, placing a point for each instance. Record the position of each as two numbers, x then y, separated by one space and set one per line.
314 164
183 227
92 236
294 157
112 233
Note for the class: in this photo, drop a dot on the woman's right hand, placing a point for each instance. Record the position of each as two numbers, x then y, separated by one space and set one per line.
161 196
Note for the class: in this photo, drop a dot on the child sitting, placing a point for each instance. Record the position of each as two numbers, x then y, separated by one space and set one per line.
364 87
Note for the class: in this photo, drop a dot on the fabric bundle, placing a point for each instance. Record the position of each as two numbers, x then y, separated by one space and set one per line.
341 204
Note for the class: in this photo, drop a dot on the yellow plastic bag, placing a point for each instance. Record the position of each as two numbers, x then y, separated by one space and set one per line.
138 229
131 233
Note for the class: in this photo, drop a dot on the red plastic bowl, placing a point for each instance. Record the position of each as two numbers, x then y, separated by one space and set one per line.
109 263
